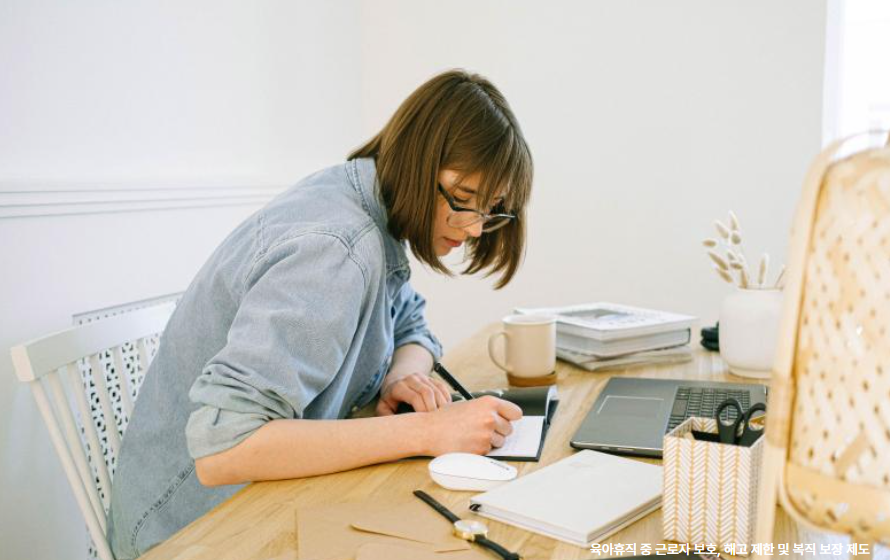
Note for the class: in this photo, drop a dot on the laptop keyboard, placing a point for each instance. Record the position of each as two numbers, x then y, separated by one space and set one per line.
703 401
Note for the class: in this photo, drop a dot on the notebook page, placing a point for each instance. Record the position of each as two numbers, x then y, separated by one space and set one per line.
525 439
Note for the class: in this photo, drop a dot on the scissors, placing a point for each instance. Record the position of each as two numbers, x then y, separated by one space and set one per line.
729 432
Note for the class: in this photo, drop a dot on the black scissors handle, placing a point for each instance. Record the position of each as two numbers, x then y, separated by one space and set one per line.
750 433
728 433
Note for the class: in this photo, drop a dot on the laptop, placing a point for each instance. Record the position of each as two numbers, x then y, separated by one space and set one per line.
631 415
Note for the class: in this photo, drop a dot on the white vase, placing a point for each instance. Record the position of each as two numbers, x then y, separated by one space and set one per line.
749 330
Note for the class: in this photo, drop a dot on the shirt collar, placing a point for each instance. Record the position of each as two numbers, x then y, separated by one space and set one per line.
363 173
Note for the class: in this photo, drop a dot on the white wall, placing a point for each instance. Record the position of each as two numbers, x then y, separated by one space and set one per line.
647 121
205 108
863 94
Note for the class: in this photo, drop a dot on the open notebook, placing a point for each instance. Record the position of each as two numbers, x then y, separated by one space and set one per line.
529 432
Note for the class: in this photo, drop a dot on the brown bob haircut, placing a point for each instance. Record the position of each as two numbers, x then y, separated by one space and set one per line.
456 121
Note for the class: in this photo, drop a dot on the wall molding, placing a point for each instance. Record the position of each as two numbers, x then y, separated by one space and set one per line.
28 201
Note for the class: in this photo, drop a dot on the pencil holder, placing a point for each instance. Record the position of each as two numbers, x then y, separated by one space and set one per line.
710 488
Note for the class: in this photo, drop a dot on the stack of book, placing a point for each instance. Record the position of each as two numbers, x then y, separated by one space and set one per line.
603 335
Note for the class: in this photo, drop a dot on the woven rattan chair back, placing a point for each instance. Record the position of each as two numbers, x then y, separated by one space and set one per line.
828 439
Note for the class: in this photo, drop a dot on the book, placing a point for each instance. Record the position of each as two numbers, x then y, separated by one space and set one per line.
621 347
609 329
675 355
581 499
538 406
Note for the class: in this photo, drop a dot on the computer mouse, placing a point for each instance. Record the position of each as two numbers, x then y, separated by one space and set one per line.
465 471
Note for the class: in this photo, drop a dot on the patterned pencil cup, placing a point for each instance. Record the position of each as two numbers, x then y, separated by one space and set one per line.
710 489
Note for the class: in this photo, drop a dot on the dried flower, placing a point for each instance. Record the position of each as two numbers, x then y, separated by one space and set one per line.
718 260
780 278
725 275
733 268
733 221
761 270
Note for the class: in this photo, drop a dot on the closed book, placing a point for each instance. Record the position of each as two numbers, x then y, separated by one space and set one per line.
605 321
623 346
581 499
675 355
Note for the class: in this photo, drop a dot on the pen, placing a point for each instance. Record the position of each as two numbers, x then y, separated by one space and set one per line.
455 384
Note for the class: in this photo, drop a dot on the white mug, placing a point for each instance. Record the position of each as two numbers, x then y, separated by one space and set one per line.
529 345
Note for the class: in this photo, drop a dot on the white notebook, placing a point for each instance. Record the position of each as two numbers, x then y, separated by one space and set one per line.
581 499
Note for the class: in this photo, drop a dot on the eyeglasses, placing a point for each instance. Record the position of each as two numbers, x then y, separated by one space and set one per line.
461 217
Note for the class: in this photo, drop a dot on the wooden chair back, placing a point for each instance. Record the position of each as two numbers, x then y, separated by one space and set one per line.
828 430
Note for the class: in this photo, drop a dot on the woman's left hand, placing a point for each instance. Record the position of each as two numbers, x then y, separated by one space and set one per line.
421 391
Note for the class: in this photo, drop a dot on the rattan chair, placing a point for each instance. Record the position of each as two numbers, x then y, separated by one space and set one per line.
102 364
827 455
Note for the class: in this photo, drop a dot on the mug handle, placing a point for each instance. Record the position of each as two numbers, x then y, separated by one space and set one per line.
491 351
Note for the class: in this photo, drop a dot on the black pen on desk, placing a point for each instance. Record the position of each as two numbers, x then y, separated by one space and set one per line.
455 384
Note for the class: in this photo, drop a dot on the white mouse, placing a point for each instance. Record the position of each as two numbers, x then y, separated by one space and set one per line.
465 471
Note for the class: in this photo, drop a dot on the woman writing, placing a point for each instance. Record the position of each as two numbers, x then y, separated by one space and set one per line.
305 314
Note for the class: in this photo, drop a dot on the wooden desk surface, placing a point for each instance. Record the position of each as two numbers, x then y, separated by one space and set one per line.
258 523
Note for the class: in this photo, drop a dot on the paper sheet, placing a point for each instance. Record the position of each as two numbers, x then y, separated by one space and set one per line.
329 532
525 439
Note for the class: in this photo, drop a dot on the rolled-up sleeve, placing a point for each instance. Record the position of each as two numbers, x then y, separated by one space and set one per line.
289 338
410 322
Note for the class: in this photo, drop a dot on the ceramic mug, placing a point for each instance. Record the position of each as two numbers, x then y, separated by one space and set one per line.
529 349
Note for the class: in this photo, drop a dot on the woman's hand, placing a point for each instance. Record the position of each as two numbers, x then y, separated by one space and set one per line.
422 392
474 426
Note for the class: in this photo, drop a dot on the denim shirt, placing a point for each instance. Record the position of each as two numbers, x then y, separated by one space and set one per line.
296 315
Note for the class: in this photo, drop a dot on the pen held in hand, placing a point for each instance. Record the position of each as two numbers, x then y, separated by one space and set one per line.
450 379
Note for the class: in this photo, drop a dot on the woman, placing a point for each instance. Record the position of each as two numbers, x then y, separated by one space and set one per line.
304 314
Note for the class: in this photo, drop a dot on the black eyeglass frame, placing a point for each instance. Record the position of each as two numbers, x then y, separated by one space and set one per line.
482 216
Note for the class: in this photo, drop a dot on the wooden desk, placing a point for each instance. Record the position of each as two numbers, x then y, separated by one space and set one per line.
258 523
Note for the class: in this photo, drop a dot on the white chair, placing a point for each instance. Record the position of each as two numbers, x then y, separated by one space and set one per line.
102 364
